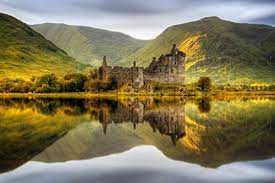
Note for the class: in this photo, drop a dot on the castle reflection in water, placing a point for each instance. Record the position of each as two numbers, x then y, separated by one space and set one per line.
167 119
165 115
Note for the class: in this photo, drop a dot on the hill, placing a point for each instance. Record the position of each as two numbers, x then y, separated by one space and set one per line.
88 45
24 52
227 52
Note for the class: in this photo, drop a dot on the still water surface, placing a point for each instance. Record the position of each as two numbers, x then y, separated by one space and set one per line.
137 140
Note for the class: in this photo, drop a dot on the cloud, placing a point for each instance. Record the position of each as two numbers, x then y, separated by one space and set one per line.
139 18
268 19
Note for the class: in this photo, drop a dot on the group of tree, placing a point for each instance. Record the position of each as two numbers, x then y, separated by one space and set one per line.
78 82
244 87
50 83
204 84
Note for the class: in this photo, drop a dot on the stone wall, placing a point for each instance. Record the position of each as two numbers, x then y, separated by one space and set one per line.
168 69
122 75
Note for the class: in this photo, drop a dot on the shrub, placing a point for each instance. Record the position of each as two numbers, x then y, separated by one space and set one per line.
93 74
204 83
73 82
47 83
98 86
15 86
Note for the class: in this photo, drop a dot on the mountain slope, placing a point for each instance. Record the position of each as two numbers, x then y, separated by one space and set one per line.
88 45
227 52
24 52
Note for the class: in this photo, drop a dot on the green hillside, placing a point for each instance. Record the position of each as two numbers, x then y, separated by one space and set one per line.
24 53
88 45
227 52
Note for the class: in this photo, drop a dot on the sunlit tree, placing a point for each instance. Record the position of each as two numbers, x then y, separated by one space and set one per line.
204 83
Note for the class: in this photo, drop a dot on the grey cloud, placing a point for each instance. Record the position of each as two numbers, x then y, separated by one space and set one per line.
121 6
268 19
138 18
39 7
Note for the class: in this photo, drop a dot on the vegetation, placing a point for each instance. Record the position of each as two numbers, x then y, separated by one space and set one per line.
226 52
15 86
89 45
24 52
77 82
204 83
74 82
50 83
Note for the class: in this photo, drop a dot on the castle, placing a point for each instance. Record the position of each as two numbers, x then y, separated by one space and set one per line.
168 69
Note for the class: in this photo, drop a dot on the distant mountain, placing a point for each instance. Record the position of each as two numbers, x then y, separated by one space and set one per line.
227 52
88 45
24 52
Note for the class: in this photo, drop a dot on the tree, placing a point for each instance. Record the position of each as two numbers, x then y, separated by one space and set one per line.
93 74
99 86
46 83
14 86
73 82
204 83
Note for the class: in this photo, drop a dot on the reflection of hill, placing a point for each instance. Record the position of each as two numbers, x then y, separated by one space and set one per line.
211 139
28 126
25 132
229 131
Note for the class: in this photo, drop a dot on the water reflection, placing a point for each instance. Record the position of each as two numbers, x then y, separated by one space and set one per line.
206 132
204 105
168 119
140 164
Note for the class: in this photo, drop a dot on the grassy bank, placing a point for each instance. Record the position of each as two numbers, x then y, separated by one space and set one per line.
136 94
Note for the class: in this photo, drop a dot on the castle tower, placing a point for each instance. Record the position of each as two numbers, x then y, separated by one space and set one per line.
104 118
168 69
174 50
104 62
137 76
104 70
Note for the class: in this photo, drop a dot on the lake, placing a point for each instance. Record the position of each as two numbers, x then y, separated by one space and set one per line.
164 139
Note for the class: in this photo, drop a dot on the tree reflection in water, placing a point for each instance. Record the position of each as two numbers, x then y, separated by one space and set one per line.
209 136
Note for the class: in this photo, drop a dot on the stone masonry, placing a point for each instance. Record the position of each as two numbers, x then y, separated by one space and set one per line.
168 69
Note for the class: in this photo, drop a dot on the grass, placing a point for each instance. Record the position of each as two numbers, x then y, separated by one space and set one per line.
24 52
113 95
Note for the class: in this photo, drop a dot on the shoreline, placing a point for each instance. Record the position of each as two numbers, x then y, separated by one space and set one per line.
84 95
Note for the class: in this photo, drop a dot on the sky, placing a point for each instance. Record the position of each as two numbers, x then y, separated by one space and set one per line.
142 19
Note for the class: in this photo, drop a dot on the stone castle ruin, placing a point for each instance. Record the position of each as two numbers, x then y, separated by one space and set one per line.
168 69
